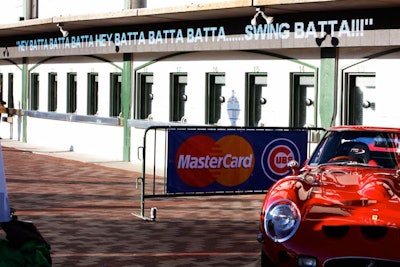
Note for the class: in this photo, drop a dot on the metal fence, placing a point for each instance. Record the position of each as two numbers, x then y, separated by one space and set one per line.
154 160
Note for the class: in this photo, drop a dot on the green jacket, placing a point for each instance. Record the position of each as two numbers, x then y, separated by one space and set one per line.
32 254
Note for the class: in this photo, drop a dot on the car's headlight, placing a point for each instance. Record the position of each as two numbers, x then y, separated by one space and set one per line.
281 220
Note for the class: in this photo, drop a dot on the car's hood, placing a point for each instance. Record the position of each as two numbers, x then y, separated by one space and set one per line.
360 196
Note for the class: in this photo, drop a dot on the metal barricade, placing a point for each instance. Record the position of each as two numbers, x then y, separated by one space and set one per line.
154 160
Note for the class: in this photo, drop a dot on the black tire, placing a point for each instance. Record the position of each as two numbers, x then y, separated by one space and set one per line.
265 261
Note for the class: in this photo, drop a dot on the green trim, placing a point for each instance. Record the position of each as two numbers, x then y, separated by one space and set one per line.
135 89
126 104
105 60
283 57
316 96
41 62
24 96
159 59
265 53
250 51
328 89
13 62
373 56
95 57
367 58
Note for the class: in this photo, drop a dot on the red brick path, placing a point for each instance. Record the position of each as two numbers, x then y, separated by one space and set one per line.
84 211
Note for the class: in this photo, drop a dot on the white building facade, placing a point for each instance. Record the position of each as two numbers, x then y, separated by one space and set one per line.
129 65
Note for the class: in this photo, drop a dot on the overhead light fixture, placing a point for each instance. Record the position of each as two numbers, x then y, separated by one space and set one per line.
334 40
5 52
64 32
260 12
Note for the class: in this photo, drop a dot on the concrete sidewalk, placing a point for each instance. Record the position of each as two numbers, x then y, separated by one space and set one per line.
84 209
71 155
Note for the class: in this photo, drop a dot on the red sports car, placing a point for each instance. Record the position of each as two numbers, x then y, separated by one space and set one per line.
342 208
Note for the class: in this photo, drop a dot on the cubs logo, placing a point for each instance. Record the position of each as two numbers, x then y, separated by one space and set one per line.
275 157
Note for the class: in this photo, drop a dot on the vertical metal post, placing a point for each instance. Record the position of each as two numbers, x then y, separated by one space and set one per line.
143 175
143 178
24 94
126 104
329 74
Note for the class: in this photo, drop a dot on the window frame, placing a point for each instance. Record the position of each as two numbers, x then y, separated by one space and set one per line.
92 93
178 97
34 91
296 91
214 98
253 93
144 95
10 97
72 90
52 92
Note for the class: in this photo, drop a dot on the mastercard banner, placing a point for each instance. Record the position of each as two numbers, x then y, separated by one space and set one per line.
211 161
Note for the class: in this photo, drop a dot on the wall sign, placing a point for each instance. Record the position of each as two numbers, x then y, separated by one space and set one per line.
200 35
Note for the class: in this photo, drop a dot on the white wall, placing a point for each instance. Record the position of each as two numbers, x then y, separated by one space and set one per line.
83 137
11 130
108 140
54 8
235 65
164 3
386 95
11 11
82 66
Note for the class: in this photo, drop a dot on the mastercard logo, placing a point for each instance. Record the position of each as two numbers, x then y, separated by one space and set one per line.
201 161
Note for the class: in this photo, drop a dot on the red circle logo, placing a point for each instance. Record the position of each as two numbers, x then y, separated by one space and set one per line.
278 158
201 160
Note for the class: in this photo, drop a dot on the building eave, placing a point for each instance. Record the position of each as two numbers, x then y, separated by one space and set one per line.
210 11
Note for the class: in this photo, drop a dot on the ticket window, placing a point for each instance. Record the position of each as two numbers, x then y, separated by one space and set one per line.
1 86
256 84
214 97
2 102
145 96
93 94
115 94
178 97
360 91
302 107
52 92
10 99
71 92
34 92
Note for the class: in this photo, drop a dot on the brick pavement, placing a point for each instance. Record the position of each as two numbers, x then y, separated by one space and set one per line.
84 211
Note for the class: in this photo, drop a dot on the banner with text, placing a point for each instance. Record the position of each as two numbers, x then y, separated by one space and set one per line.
212 161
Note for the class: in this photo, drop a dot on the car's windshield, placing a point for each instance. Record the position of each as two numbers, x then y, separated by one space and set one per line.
375 148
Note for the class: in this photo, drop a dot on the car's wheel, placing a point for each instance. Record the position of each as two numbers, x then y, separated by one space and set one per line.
265 261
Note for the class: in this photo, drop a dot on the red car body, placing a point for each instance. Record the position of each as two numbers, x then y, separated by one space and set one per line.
339 209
